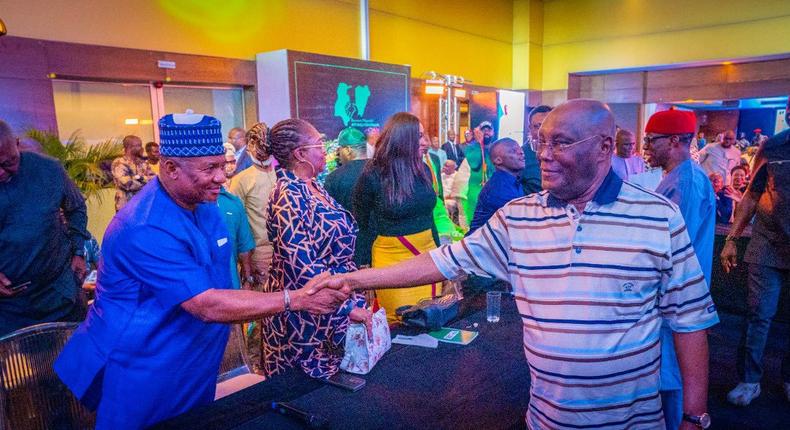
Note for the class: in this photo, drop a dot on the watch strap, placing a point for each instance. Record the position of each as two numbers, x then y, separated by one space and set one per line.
697 420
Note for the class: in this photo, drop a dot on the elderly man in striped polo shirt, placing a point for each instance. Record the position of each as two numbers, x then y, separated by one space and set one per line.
596 265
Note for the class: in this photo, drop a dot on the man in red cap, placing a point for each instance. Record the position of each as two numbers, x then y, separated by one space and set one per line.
668 136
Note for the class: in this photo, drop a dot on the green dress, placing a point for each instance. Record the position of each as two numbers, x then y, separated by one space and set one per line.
477 176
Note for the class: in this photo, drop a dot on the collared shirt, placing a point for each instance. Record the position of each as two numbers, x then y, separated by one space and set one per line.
454 152
688 186
35 244
530 176
129 177
500 189
243 160
239 232
770 242
627 167
139 354
715 158
154 168
441 154
592 289
240 151
253 186
370 150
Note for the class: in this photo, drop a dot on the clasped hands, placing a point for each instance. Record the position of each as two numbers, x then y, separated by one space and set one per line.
324 293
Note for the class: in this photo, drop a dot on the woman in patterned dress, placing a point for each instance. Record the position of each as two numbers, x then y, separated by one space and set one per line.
310 234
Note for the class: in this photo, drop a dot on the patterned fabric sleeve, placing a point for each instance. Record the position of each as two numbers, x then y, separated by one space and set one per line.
685 300
147 173
123 175
289 227
482 253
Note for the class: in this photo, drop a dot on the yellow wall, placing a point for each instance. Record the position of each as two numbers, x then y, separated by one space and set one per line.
586 35
466 37
100 213
504 43
470 38
527 44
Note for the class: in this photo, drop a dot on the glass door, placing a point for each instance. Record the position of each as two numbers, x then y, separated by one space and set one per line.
226 104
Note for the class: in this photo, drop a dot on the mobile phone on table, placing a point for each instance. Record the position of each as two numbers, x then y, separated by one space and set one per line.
19 287
349 382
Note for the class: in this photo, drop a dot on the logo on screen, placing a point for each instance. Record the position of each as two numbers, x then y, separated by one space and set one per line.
350 105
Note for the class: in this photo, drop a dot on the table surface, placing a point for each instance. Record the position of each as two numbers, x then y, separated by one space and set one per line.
482 385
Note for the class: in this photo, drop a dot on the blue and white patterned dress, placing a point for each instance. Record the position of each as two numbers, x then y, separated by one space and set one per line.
309 237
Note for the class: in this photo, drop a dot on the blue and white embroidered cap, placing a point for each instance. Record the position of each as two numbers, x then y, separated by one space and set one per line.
190 135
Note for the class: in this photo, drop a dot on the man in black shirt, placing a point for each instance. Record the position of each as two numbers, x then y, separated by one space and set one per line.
340 184
44 220
768 255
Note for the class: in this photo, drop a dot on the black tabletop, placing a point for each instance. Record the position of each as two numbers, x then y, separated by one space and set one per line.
482 385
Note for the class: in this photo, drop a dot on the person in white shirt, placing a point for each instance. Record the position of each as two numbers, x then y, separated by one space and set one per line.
624 162
720 157
372 134
436 150
448 178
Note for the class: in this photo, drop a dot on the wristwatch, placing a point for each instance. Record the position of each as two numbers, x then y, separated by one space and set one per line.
701 421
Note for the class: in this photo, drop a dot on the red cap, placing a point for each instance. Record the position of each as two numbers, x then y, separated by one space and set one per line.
672 121
758 130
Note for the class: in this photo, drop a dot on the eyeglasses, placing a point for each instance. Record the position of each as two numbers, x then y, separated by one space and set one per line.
558 146
649 140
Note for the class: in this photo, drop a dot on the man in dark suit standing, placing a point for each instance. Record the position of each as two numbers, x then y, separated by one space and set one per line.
453 150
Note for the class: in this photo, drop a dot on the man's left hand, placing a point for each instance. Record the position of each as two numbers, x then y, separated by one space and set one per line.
78 266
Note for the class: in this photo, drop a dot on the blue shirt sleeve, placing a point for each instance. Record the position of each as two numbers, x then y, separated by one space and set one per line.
246 242
168 268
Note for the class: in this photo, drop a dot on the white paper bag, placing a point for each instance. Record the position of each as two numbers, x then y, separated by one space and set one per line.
363 353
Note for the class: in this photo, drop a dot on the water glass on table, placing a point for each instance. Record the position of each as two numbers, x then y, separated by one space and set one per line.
493 304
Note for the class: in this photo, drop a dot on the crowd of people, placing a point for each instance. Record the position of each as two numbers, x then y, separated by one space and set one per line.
607 246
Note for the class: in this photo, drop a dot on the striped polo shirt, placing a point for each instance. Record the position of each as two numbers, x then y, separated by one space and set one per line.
592 289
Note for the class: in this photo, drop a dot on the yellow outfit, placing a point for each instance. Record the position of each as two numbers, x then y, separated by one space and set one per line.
387 251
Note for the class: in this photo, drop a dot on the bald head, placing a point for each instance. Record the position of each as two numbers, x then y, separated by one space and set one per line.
507 155
133 146
575 147
237 137
585 117
624 143
728 139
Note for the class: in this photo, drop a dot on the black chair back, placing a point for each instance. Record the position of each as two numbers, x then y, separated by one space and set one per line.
32 397
234 361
